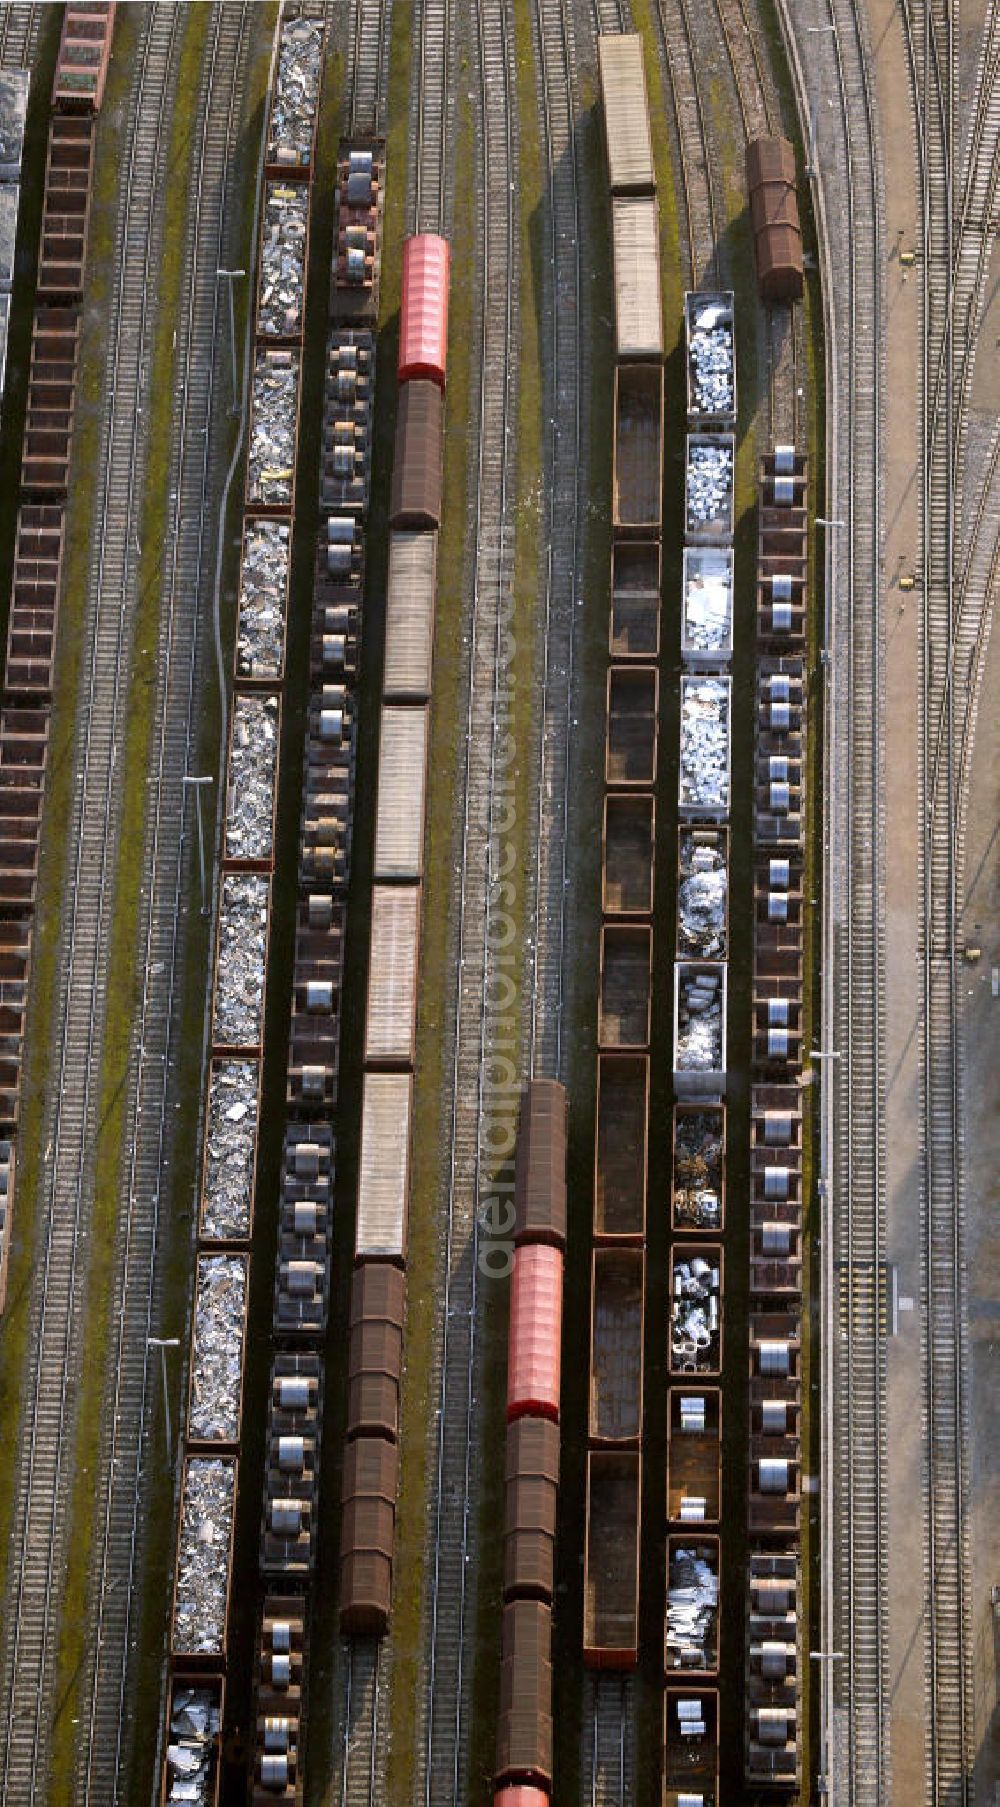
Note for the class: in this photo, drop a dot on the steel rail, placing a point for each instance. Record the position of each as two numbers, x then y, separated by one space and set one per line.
454 1356
677 56
859 1202
18 34
609 1762
430 170
165 858
39 1509
948 1650
364 1663
369 68
611 16
558 92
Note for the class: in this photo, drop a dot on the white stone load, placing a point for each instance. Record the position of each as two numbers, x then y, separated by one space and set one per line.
220 1307
203 1556
253 767
241 964
295 95
192 1745
282 274
705 750
692 1608
707 615
260 630
709 473
711 355
700 999
274 406
230 1150
702 896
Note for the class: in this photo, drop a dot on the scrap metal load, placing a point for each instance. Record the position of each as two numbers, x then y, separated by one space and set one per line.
50 414
631 769
368 1492
774 214
524 1725
773 1651
14 84
238 1015
710 342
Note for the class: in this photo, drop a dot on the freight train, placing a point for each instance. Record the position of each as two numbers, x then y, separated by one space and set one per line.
26 702
523 1770
624 1024
214 1421
380 1250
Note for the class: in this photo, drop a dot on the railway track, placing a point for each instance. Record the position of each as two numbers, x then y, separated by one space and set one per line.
20 27
369 84
198 453
691 138
67 1179
849 211
945 696
445 1709
565 480
430 177
609 1741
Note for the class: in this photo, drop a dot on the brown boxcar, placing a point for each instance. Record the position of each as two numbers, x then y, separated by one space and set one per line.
694 1454
628 852
531 1500
524 1726
620 1141
611 1559
690 1746
774 212
617 1290
637 478
635 600
418 460
540 1164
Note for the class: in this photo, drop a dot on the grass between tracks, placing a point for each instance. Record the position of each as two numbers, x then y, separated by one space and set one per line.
14 1322
533 399
431 1089
124 980
175 1270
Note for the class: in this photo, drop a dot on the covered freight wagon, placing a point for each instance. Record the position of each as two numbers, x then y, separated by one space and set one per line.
423 320
418 461
540 1164
531 1500
384 1177
402 784
626 114
391 1022
535 1346
408 667
635 239
774 211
